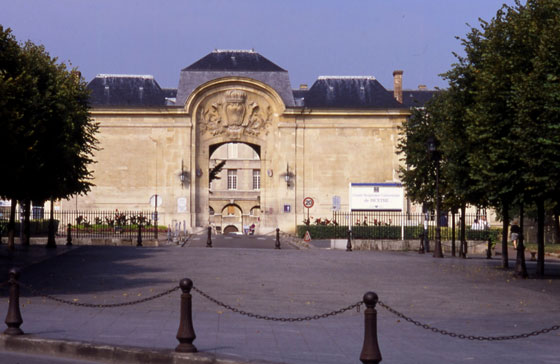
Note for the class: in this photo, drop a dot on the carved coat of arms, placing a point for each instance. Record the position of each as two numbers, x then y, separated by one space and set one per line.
234 115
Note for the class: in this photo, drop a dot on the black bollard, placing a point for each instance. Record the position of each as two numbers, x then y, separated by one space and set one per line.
421 248
13 318
370 351
209 240
69 235
349 243
277 244
489 250
186 334
139 240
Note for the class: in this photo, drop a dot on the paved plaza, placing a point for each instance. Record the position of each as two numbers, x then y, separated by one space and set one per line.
472 297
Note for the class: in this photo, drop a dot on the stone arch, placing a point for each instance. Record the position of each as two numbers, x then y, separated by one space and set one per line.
219 84
233 208
239 110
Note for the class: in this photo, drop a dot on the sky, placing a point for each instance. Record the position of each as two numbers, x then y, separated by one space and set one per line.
308 38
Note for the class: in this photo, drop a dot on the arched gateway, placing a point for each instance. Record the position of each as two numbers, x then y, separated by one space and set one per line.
239 110
310 142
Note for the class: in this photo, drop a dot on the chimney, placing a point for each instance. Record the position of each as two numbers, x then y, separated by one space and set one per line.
422 87
303 86
397 85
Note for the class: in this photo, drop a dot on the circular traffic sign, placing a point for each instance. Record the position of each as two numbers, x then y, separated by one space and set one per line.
308 202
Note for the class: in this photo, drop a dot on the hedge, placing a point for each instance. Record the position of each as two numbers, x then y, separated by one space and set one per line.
392 232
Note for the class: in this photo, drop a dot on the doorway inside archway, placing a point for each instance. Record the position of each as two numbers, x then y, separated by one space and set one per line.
235 186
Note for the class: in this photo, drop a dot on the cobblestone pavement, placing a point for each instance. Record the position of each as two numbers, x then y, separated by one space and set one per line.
472 297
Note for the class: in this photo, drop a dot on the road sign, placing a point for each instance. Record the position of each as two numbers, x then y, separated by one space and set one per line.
307 237
308 202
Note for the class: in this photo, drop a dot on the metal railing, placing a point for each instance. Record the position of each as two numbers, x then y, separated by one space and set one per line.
399 226
95 224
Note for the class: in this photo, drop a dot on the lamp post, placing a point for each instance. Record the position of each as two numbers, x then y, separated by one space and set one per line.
436 156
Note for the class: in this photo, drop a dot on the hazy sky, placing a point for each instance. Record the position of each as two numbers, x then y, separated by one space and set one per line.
308 38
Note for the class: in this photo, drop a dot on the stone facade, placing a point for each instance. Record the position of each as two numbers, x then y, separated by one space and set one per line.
310 145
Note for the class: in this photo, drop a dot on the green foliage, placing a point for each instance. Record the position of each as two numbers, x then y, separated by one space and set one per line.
37 227
392 232
45 126
214 172
418 174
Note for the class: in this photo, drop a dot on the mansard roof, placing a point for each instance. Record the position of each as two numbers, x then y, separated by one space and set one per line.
417 98
363 92
234 60
228 63
126 91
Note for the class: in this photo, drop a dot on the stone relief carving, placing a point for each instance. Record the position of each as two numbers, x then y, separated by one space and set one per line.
234 114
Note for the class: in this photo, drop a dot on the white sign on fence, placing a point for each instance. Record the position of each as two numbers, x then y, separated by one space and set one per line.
376 196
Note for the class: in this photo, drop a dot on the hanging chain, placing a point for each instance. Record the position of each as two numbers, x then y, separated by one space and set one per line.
97 305
463 336
281 319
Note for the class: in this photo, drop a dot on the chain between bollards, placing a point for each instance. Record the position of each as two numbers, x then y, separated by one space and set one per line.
13 318
349 243
185 333
277 244
209 239
69 235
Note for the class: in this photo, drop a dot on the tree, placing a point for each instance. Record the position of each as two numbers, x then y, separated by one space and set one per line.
215 171
514 124
12 92
53 135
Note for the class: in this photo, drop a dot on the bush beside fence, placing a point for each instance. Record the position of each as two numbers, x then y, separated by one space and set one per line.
91 224
394 232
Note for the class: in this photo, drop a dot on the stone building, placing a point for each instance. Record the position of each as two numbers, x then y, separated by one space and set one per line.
290 144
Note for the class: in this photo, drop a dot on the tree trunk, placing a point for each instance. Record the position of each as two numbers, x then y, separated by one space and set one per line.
540 238
505 225
51 242
26 239
453 233
520 266
557 223
12 226
463 250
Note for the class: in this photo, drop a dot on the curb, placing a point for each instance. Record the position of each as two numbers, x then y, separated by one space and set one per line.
103 353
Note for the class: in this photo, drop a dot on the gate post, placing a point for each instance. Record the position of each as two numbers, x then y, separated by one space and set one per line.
69 235
185 333
209 239
277 244
13 318
370 351
139 240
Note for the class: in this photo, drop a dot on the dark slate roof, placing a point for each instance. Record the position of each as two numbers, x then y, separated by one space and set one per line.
417 98
230 60
363 92
225 63
169 92
170 95
126 91
299 96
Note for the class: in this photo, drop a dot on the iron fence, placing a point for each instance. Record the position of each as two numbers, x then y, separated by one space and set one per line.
398 225
90 224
